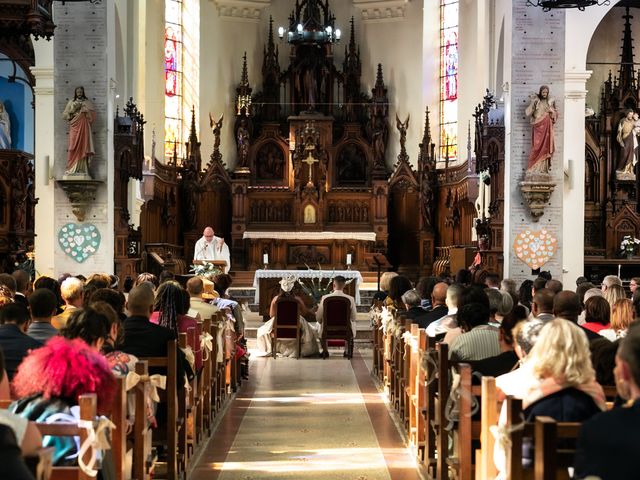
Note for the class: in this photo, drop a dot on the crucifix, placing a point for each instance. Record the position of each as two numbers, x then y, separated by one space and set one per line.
310 161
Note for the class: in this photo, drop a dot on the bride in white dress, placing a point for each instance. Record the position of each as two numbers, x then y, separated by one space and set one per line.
287 347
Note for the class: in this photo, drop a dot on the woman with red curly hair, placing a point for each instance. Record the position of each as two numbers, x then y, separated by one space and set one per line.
50 380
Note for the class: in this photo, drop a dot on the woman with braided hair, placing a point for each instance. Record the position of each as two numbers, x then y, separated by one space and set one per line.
170 311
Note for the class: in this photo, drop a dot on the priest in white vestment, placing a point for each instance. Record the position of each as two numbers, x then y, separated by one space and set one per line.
210 247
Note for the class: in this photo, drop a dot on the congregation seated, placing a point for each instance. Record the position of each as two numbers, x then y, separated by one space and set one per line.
614 293
597 314
500 304
170 311
50 284
525 298
221 284
449 321
412 301
287 347
22 287
398 286
622 315
43 305
479 340
14 341
607 446
517 382
506 360
49 382
542 305
554 285
439 307
197 304
112 297
472 294
72 292
383 294
566 305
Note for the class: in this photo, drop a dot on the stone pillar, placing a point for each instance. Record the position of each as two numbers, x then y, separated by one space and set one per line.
537 58
573 208
83 55
44 155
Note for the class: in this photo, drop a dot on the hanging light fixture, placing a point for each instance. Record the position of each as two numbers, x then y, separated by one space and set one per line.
553 4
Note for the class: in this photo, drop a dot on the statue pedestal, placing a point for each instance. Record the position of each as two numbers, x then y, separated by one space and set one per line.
536 190
81 193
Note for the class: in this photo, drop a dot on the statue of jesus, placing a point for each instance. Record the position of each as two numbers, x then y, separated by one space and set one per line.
80 113
544 114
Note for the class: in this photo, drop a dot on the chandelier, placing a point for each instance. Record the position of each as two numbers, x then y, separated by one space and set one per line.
579 4
311 22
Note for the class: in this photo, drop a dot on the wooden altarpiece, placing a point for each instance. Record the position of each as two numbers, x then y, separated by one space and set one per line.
611 197
310 155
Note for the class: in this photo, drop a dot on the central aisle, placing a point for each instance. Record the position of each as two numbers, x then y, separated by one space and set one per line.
307 419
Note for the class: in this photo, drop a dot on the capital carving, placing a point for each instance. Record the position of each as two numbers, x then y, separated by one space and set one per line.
81 194
536 190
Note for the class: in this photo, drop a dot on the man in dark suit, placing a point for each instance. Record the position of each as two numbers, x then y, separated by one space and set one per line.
607 446
14 342
439 303
22 287
141 337
412 300
566 304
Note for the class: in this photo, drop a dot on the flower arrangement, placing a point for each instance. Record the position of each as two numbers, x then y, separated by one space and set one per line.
206 269
629 245
317 287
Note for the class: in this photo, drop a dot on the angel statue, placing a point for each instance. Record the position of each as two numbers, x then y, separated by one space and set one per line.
402 128
216 127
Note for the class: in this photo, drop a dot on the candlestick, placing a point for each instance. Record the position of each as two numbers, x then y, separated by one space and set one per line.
348 259
265 258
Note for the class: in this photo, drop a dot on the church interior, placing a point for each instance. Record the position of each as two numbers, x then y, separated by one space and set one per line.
342 239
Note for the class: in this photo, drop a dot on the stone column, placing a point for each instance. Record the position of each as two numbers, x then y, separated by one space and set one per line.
84 55
537 58
44 155
574 154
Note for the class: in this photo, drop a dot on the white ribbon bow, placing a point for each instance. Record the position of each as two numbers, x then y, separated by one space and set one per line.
502 434
155 381
96 440
206 345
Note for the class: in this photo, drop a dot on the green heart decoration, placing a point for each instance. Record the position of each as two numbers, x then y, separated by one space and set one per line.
79 241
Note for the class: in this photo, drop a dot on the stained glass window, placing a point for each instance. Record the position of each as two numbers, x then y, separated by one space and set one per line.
181 72
449 79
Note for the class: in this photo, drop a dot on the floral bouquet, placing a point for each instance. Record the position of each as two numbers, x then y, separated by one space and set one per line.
206 269
317 287
629 245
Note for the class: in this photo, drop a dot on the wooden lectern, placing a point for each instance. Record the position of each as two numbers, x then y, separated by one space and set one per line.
377 261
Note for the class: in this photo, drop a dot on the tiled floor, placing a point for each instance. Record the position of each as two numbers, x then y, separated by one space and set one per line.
307 419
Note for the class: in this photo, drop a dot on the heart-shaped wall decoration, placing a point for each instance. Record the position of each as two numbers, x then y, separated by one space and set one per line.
79 241
535 247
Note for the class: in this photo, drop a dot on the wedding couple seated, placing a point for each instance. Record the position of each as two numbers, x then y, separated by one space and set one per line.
302 336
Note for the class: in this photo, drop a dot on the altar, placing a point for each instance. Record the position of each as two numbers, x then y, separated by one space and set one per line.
266 283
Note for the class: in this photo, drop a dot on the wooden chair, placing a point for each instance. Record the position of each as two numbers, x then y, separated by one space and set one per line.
336 323
175 433
286 323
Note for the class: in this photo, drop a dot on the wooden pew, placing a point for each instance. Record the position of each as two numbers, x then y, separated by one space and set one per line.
490 412
415 433
144 457
186 436
175 433
442 434
119 434
88 405
552 459
429 386
205 383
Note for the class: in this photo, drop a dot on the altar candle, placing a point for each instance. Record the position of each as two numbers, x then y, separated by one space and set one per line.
348 259
619 267
265 258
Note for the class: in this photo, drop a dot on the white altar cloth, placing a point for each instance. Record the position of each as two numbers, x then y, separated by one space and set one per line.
348 274
366 236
